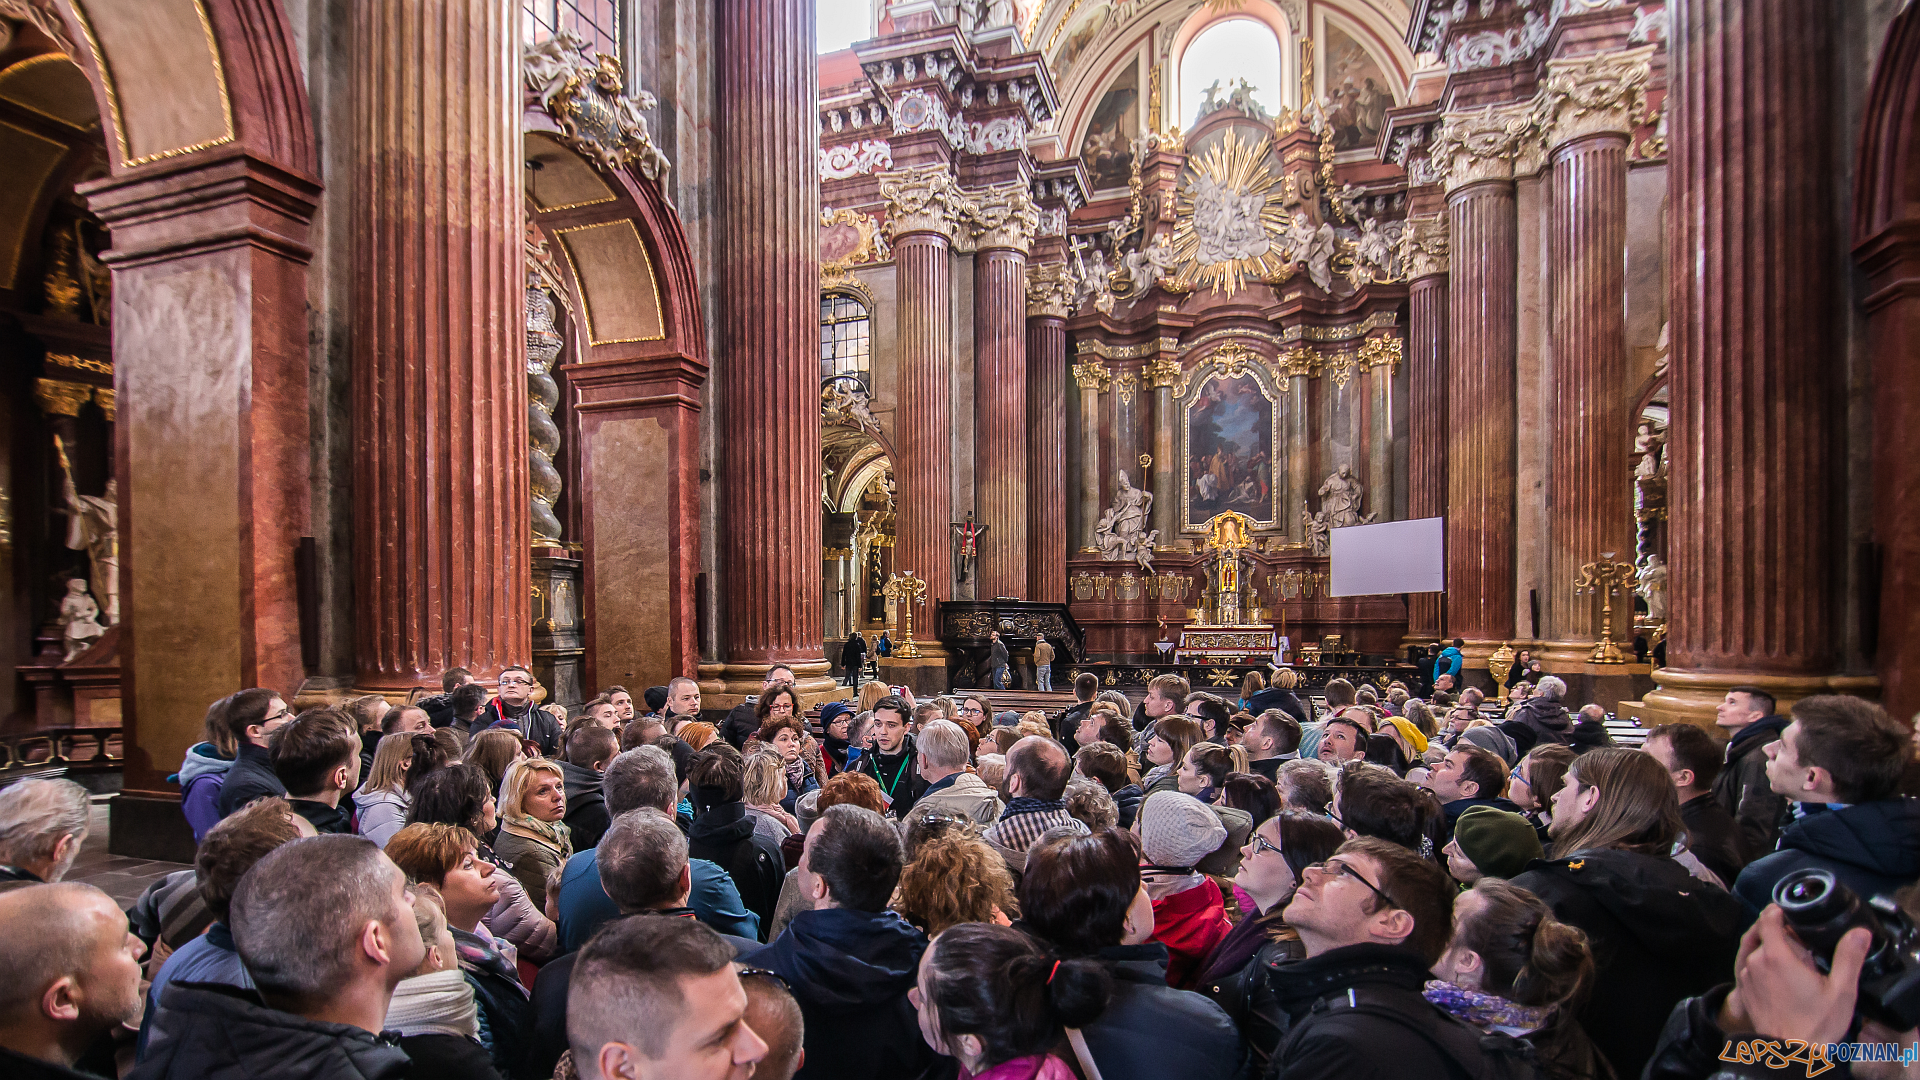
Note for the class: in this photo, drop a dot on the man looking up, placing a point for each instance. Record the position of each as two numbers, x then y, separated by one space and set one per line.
1166 695
325 926
1742 788
1692 759
1272 739
317 758
1467 777
658 999
514 708
251 716
68 983
1344 739
892 762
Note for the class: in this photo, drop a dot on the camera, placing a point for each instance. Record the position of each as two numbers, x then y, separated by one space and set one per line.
1821 910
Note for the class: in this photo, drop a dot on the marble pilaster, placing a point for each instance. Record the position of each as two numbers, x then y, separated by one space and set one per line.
1092 379
1160 376
1049 300
1427 307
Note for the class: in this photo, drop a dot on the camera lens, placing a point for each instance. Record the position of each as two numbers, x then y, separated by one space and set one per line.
1804 891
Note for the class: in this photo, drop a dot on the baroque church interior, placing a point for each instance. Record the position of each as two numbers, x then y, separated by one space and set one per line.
345 343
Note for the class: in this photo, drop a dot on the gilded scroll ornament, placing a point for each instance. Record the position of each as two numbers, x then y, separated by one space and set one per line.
586 95
1165 371
57 397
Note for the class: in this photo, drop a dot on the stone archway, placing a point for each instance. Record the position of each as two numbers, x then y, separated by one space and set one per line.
1886 234
213 184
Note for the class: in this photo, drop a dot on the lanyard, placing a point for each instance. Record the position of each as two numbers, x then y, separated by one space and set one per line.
896 776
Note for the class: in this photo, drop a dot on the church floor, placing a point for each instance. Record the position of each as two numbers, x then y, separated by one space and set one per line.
118 876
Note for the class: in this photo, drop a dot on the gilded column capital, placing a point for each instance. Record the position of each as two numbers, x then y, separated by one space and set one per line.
57 397
1092 376
1050 291
1299 362
1161 373
1494 143
1003 216
1423 246
1381 352
926 199
1594 95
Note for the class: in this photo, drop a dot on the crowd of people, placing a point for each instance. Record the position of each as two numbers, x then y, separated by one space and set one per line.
1361 883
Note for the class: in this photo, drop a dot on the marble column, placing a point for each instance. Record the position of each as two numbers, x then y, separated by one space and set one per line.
1126 426
1754 383
1479 149
1381 358
1004 225
1049 301
1160 377
441 501
1092 378
1425 253
1591 104
769 208
1297 367
925 209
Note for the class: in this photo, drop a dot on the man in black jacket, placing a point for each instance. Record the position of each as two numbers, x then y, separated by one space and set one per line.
997 660
317 759
1746 714
1373 920
891 763
588 752
514 709
1692 758
853 657
326 927
251 717
74 979
1085 686
724 834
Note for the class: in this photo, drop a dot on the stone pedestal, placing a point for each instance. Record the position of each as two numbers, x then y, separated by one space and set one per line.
441 497
559 641
769 206
1754 384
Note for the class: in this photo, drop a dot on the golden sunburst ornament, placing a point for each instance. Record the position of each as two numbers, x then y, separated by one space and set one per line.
1230 217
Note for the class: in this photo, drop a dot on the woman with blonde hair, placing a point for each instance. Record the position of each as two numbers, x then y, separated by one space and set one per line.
533 836
871 694
763 786
381 802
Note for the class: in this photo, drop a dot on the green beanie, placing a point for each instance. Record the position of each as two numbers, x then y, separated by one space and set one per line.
1501 844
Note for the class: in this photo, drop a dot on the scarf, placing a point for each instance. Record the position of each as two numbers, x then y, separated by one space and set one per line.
779 815
1488 1012
1154 775
554 834
836 750
797 773
437 1004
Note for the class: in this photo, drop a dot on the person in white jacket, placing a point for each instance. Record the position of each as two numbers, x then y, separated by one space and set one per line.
380 806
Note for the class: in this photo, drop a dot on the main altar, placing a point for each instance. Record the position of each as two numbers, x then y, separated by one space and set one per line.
1231 629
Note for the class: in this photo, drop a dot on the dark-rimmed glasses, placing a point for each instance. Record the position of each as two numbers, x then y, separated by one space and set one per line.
1332 868
765 974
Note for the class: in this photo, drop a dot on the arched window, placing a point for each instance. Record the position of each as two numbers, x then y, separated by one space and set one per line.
1226 52
845 345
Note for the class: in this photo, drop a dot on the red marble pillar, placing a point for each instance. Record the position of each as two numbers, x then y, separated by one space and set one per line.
1000 464
1754 385
1047 307
441 558
769 206
1589 503
1427 311
1480 412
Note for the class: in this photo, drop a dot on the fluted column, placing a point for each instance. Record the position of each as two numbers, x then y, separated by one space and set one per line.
1479 150
1160 377
769 280
1049 300
925 208
1591 103
1092 379
1754 380
1425 254
1004 223
441 499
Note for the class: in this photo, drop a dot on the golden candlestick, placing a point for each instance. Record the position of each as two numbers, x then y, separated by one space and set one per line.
1498 665
1605 577
906 590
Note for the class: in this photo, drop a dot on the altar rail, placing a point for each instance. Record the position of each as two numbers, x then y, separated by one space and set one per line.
49 752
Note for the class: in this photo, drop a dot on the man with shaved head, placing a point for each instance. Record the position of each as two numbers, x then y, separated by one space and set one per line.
775 1016
68 983
1037 773
658 999
325 926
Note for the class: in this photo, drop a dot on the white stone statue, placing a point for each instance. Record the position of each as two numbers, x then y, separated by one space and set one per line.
1646 447
845 402
1319 258
1122 532
1319 539
1372 254
1340 500
1653 587
79 618
1227 223
1150 265
93 527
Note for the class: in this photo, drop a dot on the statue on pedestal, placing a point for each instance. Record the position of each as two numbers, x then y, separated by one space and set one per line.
1122 532
1653 587
93 527
1339 509
79 618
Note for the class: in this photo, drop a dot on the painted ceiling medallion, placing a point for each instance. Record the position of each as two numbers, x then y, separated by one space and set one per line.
1230 217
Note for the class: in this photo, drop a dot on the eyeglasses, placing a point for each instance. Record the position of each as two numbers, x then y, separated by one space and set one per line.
748 972
516 681
1260 844
281 715
1515 775
1332 868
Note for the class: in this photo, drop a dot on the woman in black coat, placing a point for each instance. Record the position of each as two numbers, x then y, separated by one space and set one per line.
853 657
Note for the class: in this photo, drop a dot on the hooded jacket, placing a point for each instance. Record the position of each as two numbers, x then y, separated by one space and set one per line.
1742 786
587 816
1872 848
1657 933
1127 801
223 1033
1279 697
381 814
1150 1030
725 835
965 795
250 777
530 720
1190 923
1357 1013
850 971
201 774
1538 720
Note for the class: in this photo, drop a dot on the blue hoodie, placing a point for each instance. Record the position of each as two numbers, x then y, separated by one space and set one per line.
201 774
850 971
1872 848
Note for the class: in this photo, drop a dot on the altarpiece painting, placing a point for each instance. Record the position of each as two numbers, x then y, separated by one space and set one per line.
1230 437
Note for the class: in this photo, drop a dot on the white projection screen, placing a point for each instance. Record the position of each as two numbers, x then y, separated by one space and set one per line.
1391 557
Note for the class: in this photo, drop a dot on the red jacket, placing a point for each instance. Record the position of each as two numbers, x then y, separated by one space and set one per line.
1190 924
